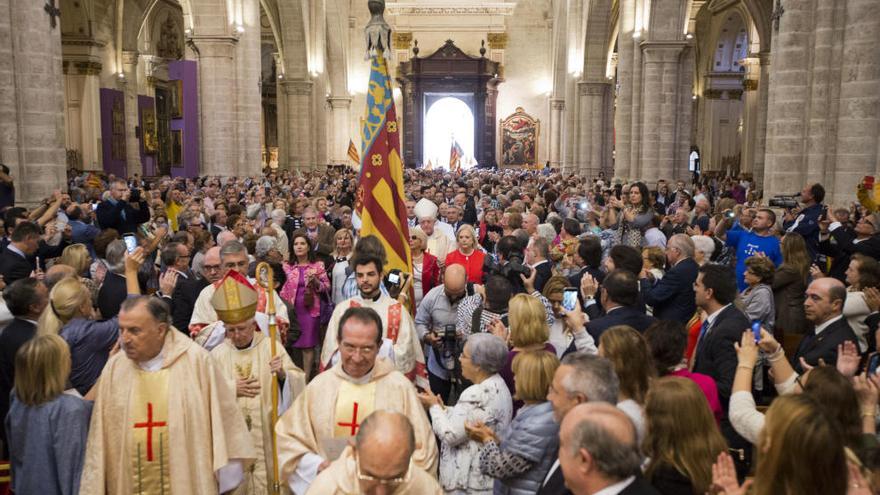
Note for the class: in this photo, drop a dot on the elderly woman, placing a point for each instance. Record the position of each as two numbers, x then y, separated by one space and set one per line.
467 254
704 247
487 401
426 270
520 458
757 297
342 250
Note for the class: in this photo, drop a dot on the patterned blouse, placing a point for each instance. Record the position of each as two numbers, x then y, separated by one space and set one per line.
488 402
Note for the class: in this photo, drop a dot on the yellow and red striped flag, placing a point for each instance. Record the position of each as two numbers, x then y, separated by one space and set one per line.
455 155
353 153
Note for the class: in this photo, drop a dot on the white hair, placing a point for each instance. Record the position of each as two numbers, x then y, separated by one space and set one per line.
278 215
704 244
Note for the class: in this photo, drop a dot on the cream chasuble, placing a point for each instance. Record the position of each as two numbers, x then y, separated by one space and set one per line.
328 413
397 326
182 416
254 362
440 245
340 478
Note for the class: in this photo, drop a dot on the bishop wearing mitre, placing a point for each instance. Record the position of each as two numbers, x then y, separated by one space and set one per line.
397 324
441 237
326 417
165 418
245 357
203 325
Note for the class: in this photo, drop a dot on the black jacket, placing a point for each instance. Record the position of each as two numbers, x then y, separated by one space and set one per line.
545 271
15 335
13 267
672 297
183 301
110 216
623 315
639 487
823 346
555 484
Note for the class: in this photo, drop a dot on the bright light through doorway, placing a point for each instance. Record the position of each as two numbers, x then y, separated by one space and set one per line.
448 118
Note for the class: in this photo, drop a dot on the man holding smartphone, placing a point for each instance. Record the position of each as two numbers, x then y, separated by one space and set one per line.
119 213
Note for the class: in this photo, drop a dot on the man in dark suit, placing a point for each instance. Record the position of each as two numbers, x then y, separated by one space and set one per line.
119 213
589 258
538 256
187 290
17 260
26 300
321 235
619 296
599 450
824 308
715 291
864 239
672 297
581 377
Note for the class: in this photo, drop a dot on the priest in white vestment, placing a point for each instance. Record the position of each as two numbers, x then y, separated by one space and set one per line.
440 242
246 359
165 418
317 428
397 324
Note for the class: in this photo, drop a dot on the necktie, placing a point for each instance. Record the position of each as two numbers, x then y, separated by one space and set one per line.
704 328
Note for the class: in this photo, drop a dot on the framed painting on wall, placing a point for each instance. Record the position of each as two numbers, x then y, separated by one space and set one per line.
117 130
175 89
519 139
176 148
150 130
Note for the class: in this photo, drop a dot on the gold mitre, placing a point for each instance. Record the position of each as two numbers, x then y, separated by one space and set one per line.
235 299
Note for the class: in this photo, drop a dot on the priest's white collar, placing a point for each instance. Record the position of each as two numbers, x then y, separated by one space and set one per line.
154 364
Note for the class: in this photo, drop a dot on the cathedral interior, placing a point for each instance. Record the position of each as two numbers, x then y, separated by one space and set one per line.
784 91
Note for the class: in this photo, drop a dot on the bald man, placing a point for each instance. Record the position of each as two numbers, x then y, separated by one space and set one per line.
57 272
598 451
824 309
183 299
377 462
435 314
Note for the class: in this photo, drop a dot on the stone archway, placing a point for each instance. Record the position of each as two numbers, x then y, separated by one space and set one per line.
448 71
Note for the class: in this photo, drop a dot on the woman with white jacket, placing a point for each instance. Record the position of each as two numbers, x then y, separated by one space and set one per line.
487 401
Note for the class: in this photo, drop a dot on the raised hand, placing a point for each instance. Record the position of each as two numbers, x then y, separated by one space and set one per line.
848 358
724 477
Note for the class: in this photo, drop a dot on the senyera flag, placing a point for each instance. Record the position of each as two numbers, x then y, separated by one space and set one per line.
380 197
455 155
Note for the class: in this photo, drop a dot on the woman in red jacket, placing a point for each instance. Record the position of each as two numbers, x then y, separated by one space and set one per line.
426 271
467 254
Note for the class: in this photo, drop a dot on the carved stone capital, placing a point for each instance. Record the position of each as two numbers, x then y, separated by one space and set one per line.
215 46
557 103
339 101
301 87
130 57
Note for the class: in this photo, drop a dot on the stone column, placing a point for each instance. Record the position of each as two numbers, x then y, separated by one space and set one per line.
248 98
661 110
557 107
591 126
300 126
129 86
788 99
32 99
629 58
761 120
858 123
83 111
340 106
217 112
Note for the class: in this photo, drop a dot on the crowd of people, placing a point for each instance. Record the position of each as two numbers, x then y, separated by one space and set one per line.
556 334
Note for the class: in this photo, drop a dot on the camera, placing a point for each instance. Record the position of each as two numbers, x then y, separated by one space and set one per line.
515 266
450 334
784 201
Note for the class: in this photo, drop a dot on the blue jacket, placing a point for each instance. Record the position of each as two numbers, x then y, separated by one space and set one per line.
807 225
672 297
534 435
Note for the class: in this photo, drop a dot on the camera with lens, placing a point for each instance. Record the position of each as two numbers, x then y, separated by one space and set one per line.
785 201
515 266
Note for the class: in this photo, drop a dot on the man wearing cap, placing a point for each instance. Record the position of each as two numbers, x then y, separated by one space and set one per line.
245 358
440 243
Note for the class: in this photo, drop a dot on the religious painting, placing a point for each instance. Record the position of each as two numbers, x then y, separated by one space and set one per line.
163 130
176 148
149 131
519 139
117 130
176 99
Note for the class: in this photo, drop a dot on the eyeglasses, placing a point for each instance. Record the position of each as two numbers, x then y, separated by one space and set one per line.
211 268
394 481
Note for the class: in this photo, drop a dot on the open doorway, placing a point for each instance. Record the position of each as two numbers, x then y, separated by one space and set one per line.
448 118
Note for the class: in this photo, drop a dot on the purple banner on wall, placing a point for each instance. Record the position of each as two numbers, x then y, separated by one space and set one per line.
113 131
188 122
148 161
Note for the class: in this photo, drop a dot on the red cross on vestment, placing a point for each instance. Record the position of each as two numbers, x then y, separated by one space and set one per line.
354 424
149 425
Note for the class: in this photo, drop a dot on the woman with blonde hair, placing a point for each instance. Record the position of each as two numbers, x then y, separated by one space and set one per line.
77 257
681 437
468 254
528 331
520 458
342 249
46 428
800 450
628 351
70 314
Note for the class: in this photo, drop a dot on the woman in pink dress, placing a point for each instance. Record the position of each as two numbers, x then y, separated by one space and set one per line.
306 280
